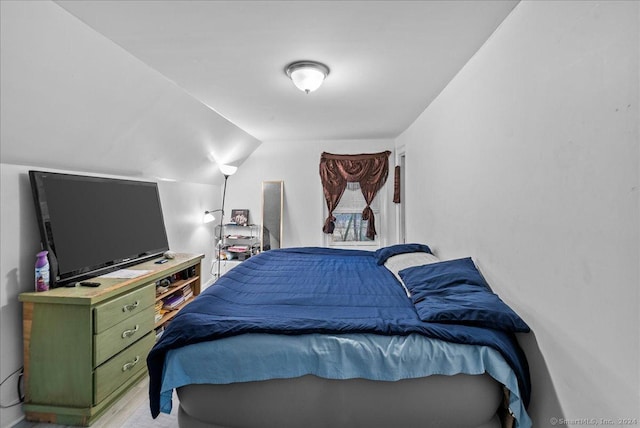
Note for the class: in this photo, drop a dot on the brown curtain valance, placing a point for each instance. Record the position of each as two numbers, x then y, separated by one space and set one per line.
370 170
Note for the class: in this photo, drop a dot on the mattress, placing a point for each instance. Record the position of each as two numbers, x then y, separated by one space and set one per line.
314 402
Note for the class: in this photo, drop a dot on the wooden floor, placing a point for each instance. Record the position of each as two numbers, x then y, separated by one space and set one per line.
131 411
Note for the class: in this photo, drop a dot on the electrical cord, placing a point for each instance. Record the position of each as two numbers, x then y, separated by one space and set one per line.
19 388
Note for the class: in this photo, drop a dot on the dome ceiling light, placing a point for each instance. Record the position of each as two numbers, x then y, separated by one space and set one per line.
307 75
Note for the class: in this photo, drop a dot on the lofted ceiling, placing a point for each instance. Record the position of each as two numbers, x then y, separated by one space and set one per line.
388 59
171 89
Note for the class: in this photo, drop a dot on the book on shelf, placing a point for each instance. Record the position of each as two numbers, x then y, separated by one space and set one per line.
187 292
173 301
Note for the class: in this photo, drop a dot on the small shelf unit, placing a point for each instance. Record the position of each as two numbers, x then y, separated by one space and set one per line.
176 287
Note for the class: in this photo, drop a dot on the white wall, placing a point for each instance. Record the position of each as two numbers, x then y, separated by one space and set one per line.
297 163
183 206
529 162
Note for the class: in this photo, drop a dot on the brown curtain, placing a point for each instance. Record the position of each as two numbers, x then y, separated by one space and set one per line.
370 170
396 185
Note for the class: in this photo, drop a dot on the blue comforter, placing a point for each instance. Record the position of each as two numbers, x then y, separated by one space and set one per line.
314 290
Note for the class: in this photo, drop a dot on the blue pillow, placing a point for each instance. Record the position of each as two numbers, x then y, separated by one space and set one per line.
454 291
383 254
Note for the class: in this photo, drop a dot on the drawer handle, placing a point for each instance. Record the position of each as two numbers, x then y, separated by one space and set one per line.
129 333
131 364
130 307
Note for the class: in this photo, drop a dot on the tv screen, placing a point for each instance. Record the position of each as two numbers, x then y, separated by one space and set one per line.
94 225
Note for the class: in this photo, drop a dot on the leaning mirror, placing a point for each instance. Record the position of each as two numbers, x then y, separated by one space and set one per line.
272 204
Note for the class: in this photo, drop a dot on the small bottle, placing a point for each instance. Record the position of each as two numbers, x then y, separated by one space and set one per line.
42 271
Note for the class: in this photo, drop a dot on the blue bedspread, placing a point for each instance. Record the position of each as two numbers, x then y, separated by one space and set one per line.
255 357
314 290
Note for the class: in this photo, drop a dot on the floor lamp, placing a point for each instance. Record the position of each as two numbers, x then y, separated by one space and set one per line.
227 171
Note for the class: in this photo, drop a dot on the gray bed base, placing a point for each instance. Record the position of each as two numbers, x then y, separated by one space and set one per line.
460 401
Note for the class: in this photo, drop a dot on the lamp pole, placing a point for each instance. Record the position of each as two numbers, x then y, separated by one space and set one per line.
221 242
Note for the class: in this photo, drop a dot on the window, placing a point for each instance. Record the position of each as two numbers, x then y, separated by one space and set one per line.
350 230
364 175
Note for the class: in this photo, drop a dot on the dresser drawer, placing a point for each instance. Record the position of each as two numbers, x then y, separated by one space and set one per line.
114 373
118 337
114 311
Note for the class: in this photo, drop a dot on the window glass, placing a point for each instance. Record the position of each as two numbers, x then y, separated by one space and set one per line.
350 229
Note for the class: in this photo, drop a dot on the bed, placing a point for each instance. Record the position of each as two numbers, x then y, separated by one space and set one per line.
320 337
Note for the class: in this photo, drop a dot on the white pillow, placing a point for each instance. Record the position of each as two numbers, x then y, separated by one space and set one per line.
402 261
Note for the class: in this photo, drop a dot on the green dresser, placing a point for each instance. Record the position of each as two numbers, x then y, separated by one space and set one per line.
85 347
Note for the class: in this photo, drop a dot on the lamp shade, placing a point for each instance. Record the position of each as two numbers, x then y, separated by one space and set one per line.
208 217
228 169
307 75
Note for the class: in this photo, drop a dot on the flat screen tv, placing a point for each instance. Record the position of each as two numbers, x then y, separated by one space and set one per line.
95 225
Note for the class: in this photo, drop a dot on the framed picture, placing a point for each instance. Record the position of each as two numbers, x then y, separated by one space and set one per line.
240 217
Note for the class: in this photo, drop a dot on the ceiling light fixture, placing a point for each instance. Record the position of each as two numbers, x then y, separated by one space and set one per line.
307 75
